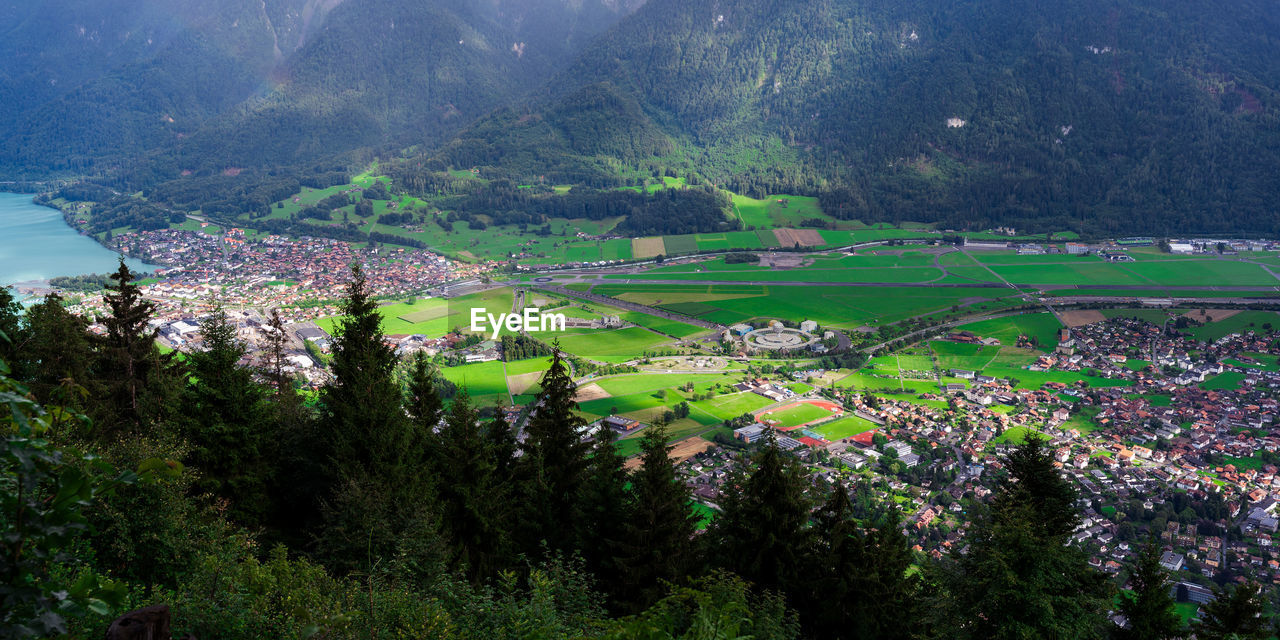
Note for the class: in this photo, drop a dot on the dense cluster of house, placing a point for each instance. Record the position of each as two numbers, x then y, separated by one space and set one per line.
1157 441
278 271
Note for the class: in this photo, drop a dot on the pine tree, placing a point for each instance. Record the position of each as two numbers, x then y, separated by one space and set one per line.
138 383
472 501
857 584
59 355
657 542
378 493
1021 577
500 441
553 465
762 530
275 358
228 426
423 403
604 505
1148 607
12 333
1039 487
1237 614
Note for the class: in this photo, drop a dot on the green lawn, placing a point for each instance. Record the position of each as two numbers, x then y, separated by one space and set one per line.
1015 435
1228 380
1244 463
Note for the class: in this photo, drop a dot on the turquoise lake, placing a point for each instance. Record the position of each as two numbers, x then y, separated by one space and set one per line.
36 244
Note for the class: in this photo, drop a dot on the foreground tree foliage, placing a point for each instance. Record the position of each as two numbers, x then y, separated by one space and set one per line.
381 510
1148 608
1239 613
1021 577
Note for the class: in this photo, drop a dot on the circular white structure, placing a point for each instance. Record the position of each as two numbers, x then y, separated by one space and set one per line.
778 338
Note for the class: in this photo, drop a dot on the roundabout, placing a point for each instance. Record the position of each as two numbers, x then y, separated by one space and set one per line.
778 338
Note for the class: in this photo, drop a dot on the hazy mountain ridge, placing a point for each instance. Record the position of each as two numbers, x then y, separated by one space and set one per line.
967 113
265 82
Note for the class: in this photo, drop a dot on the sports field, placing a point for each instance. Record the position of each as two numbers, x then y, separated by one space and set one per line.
844 427
800 413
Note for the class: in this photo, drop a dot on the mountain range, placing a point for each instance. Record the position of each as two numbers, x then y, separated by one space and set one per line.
1106 116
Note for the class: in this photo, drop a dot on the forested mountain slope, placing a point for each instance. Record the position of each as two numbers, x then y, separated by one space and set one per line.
87 84
1109 114
205 86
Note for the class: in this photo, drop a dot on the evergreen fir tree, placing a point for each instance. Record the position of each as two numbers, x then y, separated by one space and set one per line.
12 333
378 492
275 356
761 531
1021 577
857 584
229 424
138 383
554 463
500 441
59 355
657 541
604 505
472 501
1236 614
423 403
1148 607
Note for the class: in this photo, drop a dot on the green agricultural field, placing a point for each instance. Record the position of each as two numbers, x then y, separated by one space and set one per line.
1091 271
777 211
1083 420
726 241
959 355
1005 368
1259 361
832 306
485 381
649 382
1239 323
797 415
892 275
434 317
677 245
1041 326
661 325
732 405
844 427
615 345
